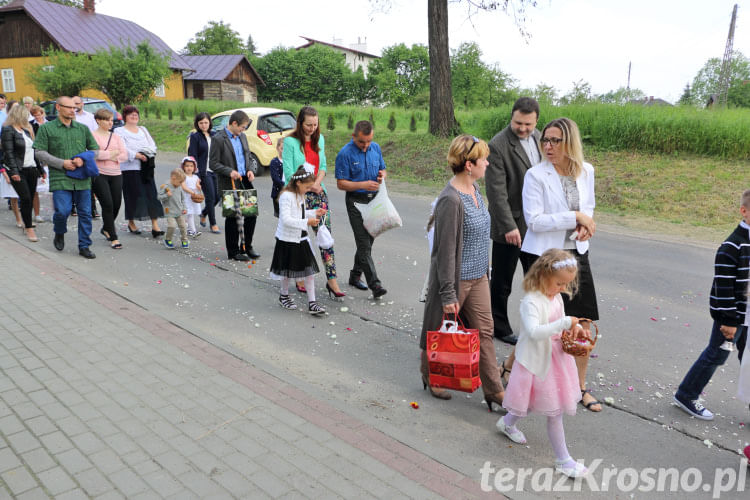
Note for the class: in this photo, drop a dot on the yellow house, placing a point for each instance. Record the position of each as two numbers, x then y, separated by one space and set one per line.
29 26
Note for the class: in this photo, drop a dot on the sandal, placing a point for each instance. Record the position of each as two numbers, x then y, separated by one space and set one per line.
116 245
590 403
505 370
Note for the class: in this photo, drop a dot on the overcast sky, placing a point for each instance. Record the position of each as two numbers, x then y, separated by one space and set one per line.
667 41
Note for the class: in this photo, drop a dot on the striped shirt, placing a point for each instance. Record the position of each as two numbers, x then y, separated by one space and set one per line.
728 298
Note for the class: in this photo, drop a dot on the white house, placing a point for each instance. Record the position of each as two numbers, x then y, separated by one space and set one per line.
356 54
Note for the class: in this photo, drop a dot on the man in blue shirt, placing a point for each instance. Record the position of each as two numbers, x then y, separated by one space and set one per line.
229 158
360 169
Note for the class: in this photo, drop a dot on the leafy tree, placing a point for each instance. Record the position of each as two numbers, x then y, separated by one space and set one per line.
413 123
130 75
331 122
579 94
476 83
215 39
622 95
686 96
401 73
545 94
392 121
250 46
706 82
62 73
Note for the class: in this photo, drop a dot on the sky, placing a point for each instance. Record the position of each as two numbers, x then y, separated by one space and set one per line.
667 41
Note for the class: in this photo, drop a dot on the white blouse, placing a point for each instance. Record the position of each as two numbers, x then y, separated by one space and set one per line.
134 143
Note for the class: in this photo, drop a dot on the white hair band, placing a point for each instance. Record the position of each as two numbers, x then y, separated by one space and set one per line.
571 262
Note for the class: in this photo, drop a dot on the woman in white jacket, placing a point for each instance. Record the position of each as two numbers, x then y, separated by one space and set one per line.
292 256
558 205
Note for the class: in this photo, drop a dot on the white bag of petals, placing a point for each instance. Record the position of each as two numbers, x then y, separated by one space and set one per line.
379 215
324 238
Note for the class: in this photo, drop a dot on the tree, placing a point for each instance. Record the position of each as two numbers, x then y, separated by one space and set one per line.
686 96
622 95
400 74
69 3
545 94
476 83
250 46
579 94
62 73
215 39
706 82
130 75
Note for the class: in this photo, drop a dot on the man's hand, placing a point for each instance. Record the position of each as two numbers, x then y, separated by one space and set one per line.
370 185
235 175
728 331
78 162
381 176
69 165
250 176
513 238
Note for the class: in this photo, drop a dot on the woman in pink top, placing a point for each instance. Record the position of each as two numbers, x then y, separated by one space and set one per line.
107 186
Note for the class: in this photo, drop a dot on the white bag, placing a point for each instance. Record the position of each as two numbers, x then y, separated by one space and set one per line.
42 185
324 238
379 215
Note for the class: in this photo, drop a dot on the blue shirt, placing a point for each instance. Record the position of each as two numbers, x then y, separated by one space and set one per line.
3 116
239 153
353 164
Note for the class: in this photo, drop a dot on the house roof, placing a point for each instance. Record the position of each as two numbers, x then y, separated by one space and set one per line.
216 67
312 41
91 31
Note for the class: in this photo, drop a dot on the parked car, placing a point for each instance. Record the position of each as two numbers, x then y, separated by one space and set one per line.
267 127
89 104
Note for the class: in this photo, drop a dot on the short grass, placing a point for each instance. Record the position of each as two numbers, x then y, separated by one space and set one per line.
692 190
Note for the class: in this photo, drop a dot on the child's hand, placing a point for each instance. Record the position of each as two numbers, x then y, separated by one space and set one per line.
184 212
573 322
321 212
313 221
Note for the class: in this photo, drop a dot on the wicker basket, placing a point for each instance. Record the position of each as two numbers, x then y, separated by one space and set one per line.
580 348
197 197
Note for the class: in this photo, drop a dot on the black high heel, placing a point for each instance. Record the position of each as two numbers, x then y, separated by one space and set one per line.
156 233
436 393
105 234
134 231
491 398
332 294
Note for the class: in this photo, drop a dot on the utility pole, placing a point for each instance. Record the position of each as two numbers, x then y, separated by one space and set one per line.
629 65
726 64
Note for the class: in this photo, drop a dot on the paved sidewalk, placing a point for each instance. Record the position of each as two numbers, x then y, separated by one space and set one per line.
101 398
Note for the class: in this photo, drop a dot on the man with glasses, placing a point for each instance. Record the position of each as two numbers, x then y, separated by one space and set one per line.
56 145
229 159
360 169
513 151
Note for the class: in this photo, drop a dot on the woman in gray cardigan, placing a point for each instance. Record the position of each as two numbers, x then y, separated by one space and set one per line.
459 263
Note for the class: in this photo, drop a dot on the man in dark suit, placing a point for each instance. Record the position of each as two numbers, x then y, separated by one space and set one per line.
229 159
512 152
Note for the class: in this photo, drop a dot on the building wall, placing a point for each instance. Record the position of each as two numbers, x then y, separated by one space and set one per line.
354 60
243 92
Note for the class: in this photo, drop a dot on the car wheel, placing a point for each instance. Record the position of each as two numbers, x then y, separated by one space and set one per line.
255 165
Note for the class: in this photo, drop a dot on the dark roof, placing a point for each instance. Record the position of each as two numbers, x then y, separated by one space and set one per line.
216 67
76 30
650 101
312 41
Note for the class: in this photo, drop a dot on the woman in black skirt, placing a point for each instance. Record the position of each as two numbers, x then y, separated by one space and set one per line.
558 205
292 256
138 185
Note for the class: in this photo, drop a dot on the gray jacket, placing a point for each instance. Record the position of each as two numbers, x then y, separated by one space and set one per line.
173 205
504 183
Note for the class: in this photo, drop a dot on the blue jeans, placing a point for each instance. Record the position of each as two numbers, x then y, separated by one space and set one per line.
710 359
63 202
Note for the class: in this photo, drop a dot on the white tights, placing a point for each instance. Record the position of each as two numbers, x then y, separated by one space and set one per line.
555 432
190 222
309 286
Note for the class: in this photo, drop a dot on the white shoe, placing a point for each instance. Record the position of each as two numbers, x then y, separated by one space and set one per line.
38 218
515 435
578 470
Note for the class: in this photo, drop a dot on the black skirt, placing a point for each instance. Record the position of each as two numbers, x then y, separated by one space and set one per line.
141 202
293 260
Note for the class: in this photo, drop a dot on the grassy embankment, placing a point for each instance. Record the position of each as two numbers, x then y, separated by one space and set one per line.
674 165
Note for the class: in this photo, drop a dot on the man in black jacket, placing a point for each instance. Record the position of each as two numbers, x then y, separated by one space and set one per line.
229 159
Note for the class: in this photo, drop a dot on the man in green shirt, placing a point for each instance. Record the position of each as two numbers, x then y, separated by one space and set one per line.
57 142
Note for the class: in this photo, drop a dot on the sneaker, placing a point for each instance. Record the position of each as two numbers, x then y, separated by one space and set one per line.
185 244
38 218
194 234
572 471
315 309
513 434
168 244
695 408
286 302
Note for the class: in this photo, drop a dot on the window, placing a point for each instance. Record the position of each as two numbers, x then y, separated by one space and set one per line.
48 68
221 121
159 91
9 81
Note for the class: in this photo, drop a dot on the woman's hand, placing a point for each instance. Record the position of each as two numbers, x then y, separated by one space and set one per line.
451 309
587 222
16 177
113 154
140 156
313 221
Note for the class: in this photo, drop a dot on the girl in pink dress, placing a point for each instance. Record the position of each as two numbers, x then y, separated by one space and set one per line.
544 378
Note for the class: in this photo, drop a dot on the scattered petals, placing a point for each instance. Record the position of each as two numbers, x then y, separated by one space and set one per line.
414 405
630 388
708 443
654 319
344 309
158 282
609 400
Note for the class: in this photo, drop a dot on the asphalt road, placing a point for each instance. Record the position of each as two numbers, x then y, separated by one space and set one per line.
364 359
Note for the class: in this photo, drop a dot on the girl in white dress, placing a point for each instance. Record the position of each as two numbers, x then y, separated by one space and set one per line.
191 185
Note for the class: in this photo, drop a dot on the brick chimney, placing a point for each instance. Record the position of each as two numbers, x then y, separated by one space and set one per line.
88 6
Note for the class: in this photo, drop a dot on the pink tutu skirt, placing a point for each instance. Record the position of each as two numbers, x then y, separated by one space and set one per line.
558 393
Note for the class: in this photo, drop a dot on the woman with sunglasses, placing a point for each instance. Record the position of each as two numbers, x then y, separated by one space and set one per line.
460 262
558 205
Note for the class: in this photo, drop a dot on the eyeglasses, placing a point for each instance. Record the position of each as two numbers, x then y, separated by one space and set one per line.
66 107
551 140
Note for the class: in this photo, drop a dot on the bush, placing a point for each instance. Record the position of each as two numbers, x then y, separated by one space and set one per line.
145 111
372 119
350 121
182 115
413 123
392 122
169 113
331 122
158 113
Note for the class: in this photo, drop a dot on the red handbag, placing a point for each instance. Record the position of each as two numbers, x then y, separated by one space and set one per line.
453 357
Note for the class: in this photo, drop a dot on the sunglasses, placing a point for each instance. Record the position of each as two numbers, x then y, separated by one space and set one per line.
474 138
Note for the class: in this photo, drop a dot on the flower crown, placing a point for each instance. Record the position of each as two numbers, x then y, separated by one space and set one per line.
571 262
309 171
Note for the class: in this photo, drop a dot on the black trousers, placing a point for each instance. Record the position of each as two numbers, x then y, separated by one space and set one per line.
504 261
108 190
231 234
211 192
26 188
363 257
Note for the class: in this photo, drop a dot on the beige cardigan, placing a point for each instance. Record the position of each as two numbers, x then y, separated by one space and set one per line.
534 347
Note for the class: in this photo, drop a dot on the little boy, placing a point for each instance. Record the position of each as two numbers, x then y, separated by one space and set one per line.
728 303
276 167
171 198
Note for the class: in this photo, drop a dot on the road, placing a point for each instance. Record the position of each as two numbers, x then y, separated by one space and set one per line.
363 356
